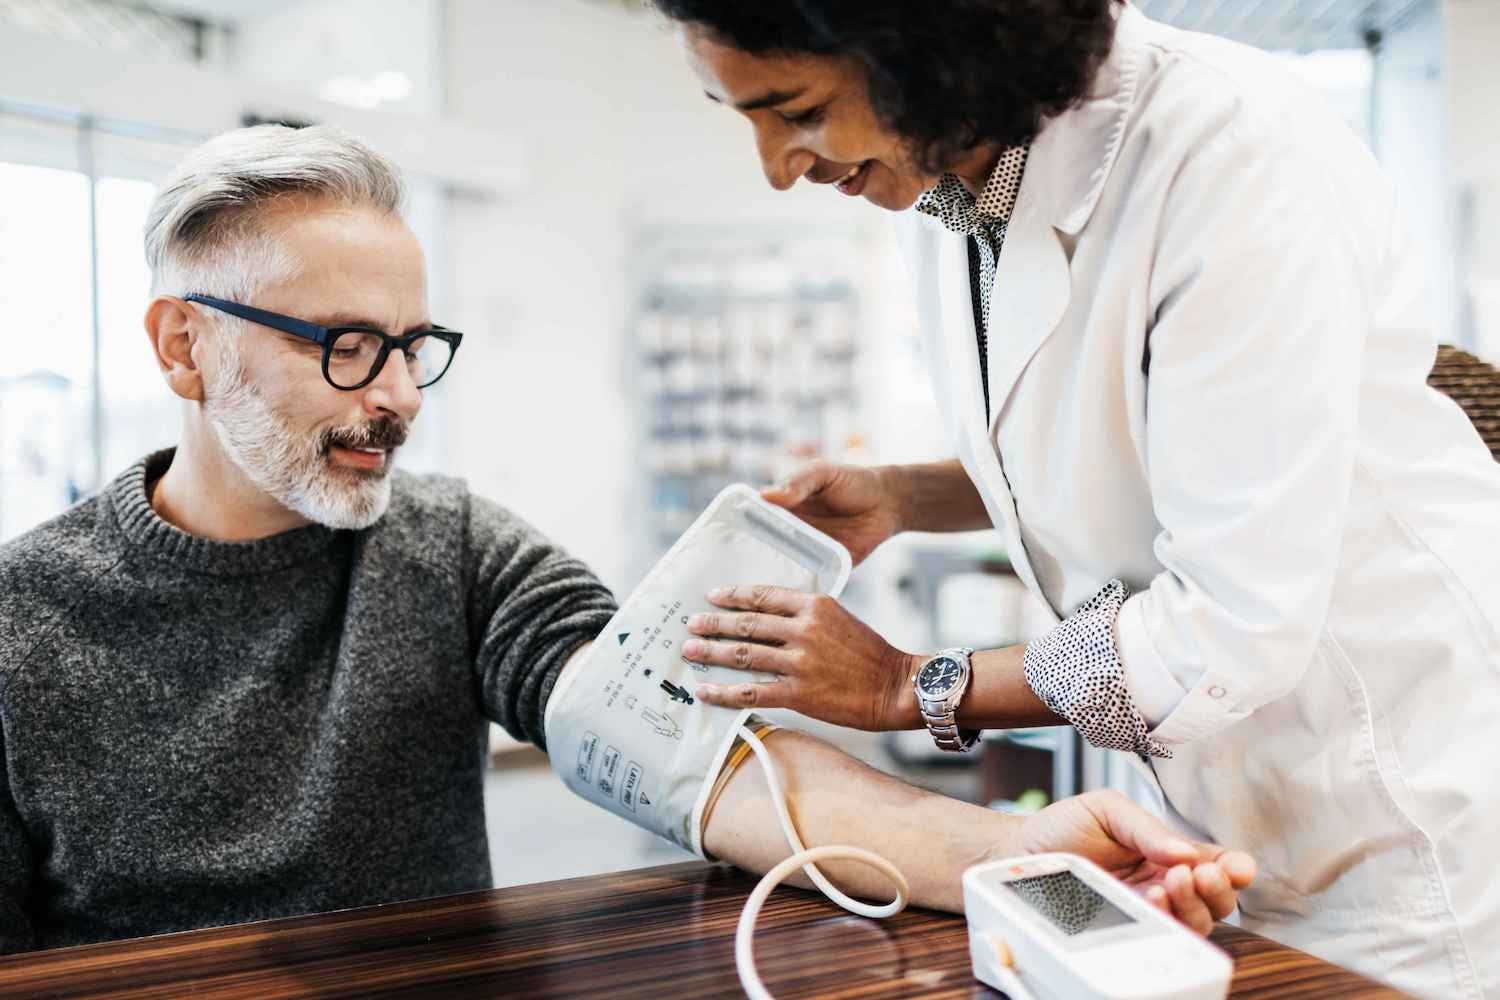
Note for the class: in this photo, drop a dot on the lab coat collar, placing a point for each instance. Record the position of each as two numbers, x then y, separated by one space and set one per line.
1075 151
1071 158
1065 175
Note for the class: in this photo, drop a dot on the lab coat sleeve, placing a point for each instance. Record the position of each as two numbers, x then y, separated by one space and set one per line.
16 860
1261 301
530 607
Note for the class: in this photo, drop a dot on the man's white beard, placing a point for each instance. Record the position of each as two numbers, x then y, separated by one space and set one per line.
289 466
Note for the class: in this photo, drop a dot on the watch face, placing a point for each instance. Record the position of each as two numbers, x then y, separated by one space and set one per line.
938 677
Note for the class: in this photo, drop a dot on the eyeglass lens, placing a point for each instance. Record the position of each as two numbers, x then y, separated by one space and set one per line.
355 353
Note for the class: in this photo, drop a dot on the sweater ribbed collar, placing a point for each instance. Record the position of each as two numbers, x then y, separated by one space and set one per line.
147 531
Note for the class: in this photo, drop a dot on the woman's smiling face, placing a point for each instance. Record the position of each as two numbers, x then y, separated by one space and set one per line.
812 118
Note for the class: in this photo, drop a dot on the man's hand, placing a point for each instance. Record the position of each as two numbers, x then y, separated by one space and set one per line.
827 663
854 504
933 839
1195 882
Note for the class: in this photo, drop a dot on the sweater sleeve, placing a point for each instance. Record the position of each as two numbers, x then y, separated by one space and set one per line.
16 859
530 606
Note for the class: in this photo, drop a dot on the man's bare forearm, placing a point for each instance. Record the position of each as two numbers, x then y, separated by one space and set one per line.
936 496
835 799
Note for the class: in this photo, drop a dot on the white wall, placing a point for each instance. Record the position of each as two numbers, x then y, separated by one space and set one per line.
1473 40
308 45
1473 30
1411 138
1437 84
121 89
617 134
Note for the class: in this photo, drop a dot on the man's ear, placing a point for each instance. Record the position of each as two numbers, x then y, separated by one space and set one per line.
173 330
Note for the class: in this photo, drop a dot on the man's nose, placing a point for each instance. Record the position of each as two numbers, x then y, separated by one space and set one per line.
393 390
782 162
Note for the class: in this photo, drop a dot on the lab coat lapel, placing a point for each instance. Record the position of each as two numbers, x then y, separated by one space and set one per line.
1032 287
1066 170
1069 163
965 398
1029 297
960 341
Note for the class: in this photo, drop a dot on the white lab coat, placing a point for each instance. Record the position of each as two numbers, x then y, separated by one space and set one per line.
1207 363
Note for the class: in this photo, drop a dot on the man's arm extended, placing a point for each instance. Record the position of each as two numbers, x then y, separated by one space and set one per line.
932 839
835 799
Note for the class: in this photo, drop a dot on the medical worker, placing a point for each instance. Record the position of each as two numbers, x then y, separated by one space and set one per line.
1178 330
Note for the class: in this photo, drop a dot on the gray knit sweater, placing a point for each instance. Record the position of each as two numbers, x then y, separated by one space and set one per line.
199 732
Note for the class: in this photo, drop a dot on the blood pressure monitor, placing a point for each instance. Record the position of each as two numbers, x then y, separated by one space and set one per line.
1058 927
627 734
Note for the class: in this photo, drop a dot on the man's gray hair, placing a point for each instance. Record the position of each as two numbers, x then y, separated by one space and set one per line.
203 233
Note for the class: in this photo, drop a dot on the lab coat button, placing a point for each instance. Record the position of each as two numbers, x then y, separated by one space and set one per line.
1216 692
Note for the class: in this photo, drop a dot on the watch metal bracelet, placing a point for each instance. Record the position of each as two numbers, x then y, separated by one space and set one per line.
941 717
947 734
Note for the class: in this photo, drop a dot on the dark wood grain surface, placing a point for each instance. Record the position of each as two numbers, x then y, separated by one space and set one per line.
660 932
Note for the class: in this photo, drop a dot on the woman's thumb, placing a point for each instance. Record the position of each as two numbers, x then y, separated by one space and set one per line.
800 485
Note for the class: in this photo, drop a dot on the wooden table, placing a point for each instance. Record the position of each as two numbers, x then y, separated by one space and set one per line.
662 932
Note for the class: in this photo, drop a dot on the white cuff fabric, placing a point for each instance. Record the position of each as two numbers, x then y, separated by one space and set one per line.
1152 687
1177 714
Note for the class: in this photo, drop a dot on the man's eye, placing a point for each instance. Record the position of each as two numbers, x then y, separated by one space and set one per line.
810 117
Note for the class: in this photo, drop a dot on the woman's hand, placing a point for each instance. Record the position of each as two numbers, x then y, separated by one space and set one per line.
854 504
1195 882
827 664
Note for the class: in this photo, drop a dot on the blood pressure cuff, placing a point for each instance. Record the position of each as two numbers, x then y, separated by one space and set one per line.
623 728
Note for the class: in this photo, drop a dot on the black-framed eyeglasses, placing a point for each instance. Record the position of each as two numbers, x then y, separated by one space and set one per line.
354 355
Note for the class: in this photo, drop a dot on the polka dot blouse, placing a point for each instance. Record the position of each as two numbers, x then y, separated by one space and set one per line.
1074 669
985 220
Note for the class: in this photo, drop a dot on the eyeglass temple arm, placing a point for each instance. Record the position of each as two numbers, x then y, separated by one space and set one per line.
287 324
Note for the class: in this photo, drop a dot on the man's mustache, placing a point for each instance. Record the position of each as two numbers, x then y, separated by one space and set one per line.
386 434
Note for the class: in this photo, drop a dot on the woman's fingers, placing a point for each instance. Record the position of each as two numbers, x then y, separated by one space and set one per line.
754 617
761 599
751 694
804 483
745 626
740 655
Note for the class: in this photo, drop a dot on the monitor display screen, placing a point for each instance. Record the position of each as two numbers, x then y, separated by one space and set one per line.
1069 903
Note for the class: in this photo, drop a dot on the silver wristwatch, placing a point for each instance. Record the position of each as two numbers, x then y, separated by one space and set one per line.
941 683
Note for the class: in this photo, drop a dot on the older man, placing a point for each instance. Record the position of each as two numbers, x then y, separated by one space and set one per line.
251 677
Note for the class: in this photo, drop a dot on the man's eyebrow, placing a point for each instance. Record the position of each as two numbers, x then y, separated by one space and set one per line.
769 100
354 319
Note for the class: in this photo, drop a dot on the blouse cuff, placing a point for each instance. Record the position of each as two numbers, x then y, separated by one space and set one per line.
1076 671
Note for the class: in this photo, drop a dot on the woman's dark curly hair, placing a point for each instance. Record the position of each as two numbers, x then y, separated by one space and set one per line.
948 75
